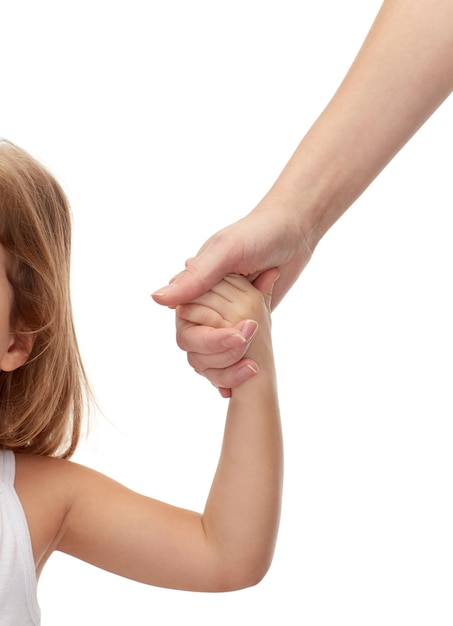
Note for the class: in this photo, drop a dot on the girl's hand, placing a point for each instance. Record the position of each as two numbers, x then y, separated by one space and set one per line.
234 303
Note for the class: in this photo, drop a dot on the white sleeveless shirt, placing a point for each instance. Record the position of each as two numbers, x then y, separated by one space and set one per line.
18 585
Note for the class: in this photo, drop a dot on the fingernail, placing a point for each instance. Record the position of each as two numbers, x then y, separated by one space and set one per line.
246 372
163 290
234 340
248 329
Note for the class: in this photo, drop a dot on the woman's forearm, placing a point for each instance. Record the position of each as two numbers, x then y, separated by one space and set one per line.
402 73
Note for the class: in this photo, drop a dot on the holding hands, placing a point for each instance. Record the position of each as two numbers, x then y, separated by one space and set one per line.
215 349
234 304
400 76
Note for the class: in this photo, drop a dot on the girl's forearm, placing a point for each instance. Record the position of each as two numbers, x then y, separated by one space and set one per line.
243 509
402 73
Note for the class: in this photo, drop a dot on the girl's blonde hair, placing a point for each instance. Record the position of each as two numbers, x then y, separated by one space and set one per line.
42 402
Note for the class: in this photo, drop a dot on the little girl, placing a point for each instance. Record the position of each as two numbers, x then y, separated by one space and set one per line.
49 503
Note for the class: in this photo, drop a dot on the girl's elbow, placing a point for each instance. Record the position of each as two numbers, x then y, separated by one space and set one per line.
241 575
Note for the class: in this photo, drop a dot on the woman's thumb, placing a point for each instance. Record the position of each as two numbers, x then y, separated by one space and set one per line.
265 283
200 275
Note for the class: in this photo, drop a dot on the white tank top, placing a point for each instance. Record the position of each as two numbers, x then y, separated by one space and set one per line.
18 585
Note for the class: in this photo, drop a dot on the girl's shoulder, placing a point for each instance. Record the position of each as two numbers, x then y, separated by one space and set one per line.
44 487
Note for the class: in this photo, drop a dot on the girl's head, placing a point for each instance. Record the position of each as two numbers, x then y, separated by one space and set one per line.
41 396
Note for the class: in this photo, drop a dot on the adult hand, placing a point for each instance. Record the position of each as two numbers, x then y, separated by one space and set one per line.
268 237
264 239
401 75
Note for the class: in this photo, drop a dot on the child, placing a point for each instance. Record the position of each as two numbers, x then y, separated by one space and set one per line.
49 503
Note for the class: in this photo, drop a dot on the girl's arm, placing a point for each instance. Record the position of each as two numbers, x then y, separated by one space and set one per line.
249 475
227 547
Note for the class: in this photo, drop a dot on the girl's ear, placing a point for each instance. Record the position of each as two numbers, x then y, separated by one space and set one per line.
18 351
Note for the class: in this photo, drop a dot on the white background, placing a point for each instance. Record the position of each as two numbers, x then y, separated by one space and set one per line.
165 121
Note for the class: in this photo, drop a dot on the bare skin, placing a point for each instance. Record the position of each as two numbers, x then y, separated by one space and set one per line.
401 75
78 511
